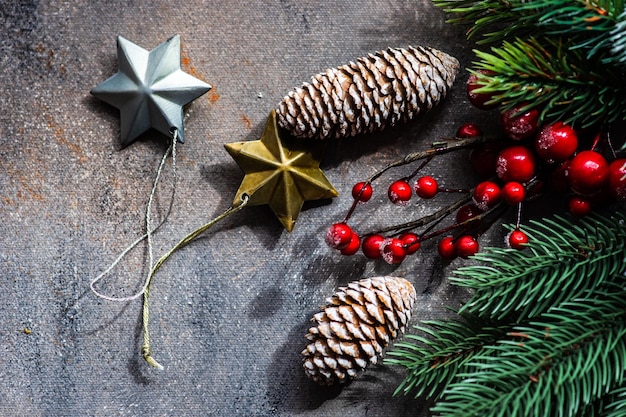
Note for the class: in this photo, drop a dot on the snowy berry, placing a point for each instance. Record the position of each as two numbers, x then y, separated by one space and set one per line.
513 192
446 248
362 192
483 160
466 212
587 172
399 192
338 235
479 100
519 126
371 246
411 242
353 246
558 179
517 239
617 179
393 251
426 187
466 246
468 130
556 142
579 206
515 163
486 195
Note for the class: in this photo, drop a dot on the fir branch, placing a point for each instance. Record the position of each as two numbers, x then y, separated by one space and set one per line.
615 405
544 333
569 358
556 267
618 40
434 359
482 16
547 75
590 25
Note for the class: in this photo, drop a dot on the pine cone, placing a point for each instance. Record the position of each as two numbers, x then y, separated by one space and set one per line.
357 324
375 92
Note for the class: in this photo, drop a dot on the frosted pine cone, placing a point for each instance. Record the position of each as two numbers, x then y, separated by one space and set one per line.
375 92
352 330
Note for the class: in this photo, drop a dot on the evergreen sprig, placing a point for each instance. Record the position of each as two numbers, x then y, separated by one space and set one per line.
556 267
544 333
591 26
550 367
435 358
564 57
549 75
615 406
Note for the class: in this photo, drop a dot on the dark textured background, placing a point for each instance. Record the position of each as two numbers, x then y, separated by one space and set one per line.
229 312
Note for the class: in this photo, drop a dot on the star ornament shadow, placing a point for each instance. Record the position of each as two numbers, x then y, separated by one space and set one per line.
280 172
150 89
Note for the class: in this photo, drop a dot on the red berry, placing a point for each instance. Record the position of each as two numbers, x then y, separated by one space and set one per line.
426 187
479 100
411 242
579 206
362 192
558 179
393 251
399 192
338 235
513 192
468 211
486 194
468 130
535 189
617 179
446 248
483 159
515 163
517 239
556 142
587 172
353 246
466 246
602 197
518 126
371 246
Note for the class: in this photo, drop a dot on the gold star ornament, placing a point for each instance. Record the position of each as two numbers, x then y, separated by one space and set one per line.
281 173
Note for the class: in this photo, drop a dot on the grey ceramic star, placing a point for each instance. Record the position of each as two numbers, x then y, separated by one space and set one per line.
150 89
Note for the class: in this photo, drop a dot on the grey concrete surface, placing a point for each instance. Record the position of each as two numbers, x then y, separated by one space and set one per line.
229 312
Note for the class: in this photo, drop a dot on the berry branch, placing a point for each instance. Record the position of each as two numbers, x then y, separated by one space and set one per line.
518 167
437 148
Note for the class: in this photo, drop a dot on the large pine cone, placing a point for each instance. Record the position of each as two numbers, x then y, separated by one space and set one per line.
375 92
352 330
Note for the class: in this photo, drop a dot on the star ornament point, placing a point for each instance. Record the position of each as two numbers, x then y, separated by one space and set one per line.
279 173
150 89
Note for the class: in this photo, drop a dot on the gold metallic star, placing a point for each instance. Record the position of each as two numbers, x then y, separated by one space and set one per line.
280 173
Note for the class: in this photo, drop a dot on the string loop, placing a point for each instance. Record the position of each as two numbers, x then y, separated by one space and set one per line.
149 230
146 351
154 267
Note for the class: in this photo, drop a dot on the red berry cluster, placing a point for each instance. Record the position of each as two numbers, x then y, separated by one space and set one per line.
393 250
585 174
510 171
486 195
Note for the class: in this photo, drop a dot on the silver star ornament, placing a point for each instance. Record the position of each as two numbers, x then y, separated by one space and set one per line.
150 89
